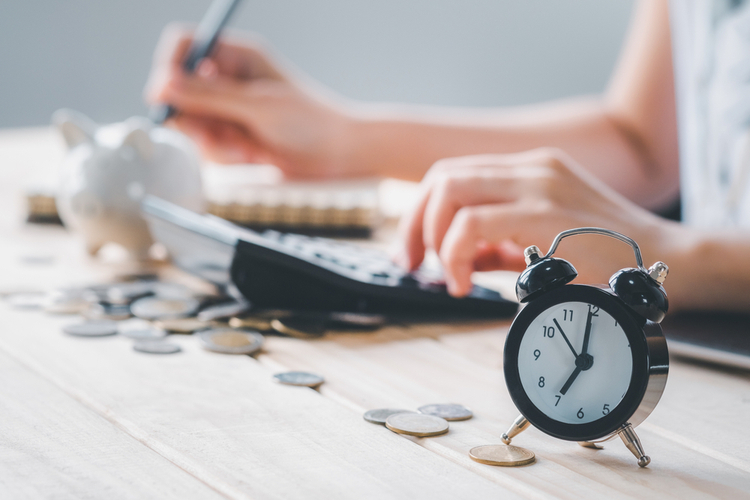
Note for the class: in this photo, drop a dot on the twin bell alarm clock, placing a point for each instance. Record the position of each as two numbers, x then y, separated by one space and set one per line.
587 363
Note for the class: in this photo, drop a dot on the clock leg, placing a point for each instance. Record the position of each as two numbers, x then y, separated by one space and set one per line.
589 444
519 425
630 438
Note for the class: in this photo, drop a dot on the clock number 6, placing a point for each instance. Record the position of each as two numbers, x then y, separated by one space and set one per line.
580 413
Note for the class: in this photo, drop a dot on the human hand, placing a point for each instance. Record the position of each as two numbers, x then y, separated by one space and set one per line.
241 105
480 212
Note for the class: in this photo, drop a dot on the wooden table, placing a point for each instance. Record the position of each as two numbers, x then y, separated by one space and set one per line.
91 418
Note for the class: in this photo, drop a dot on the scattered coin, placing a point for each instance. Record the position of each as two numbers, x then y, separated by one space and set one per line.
136 328
225 310
125 293
114 312
504 455
159 308
153 346
228 341
94 328
28 300
66 305
417 424
300 326
299 378
182 325
356 321
449 412
252 323
380 415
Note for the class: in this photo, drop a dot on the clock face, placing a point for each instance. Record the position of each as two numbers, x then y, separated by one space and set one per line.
575 362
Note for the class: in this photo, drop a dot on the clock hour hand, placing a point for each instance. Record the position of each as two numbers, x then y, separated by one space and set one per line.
559 329
571 379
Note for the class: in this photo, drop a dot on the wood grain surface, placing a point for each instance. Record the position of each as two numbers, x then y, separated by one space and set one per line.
91 418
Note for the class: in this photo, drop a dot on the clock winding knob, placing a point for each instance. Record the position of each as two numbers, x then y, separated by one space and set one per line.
532 254
659 272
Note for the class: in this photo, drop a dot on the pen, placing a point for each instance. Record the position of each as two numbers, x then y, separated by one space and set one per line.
204 40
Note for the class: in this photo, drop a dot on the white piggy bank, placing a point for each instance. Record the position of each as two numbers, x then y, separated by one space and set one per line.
108 169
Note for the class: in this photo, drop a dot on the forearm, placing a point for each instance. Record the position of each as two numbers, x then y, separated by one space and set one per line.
405 142
709 270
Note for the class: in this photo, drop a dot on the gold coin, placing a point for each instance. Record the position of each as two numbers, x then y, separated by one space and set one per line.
502 455
182 325
253 323
416 424
292 329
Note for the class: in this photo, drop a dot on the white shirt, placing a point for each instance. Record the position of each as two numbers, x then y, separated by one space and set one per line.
711 52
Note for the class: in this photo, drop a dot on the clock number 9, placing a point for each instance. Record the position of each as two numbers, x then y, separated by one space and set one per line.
537 353
549 331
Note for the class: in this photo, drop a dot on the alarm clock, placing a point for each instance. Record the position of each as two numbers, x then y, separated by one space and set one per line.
587 363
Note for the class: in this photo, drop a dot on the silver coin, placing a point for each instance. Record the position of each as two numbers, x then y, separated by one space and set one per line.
357 320
220 311
152 308
30 301
230 341
380 415
299 378
153 346
125 293
447 411
417 424
94 328
136 328
114 312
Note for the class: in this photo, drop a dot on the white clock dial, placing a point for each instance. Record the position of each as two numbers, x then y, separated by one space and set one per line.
569 381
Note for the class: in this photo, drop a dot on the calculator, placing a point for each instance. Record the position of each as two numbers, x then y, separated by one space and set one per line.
277 270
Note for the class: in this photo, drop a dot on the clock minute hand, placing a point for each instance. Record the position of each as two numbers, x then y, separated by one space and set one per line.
559 329
587 334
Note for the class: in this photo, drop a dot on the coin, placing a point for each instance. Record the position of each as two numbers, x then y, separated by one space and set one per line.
380 415
356 321
28 300
228 341
153 346
225 310
252 323
136 328
182 325
114 312
504 455
160 308
66 305
300 326
94 328
417 424
125 293
447 411
299 378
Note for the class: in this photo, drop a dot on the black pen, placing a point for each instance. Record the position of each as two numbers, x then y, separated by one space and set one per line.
204 40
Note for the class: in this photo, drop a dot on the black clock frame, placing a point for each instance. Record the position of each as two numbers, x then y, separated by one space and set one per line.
643 336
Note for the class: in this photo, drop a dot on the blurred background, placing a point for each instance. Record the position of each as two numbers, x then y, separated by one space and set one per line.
94 55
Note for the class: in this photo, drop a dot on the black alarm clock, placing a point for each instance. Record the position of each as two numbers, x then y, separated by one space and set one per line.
587 363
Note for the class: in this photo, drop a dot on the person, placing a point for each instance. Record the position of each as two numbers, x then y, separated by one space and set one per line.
495 181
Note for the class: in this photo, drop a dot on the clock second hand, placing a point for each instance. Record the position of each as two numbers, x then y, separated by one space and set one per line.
582 360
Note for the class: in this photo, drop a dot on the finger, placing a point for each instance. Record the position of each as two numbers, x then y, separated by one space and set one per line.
410 247
219 141
479 185
470 227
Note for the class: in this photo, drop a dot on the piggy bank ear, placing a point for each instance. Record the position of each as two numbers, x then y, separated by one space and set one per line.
75 127
138 138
